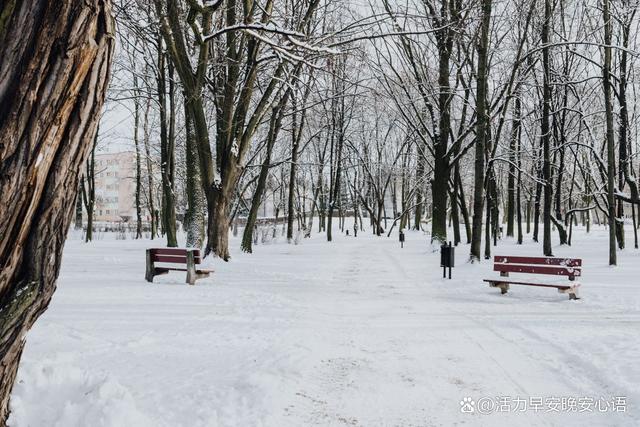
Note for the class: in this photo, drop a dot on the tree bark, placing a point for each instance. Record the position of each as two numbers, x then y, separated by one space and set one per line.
611 156
518 113
136 141
149 164
511 180
536 201
546 133
420 163
274 128
296 136
78 221
167 147
88 190
199 157
54 68
295 141
338 135
625 151
487 228
463 208
194 216
440 180
482 130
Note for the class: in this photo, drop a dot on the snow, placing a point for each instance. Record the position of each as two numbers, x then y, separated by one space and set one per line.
67 396
357 332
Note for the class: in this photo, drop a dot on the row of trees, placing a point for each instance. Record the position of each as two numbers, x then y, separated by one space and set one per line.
447 112
421 114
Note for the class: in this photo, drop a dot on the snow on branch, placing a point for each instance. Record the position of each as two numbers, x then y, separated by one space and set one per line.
268 28
206 6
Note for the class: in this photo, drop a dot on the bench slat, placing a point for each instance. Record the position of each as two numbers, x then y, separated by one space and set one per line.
538 269
174 259
564 262
161 269
544 285
174 251
170 259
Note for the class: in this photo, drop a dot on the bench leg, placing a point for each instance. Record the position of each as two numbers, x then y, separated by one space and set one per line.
504 287
572 291
191 269
150 267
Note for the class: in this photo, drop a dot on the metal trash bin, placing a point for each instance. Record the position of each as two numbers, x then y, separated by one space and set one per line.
447 258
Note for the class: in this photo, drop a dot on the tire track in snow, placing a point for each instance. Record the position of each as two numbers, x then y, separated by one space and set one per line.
552 367
589 373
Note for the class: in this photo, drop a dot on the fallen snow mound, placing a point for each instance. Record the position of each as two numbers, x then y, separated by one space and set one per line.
67 397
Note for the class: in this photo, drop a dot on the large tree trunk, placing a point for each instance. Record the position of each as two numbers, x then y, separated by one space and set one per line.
338 132
546 133
536 202
316 198
136 141
455 215
624 147
274 128
149 164
88 191
218 224
297 129
611 156
420 162
194 215
455 196
440 181
54 67
487 228
404 209
167 148
292 174
518 111
482 131
78 221
463 207
511 180
199 167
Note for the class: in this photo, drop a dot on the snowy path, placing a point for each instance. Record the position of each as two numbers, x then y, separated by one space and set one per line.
353 333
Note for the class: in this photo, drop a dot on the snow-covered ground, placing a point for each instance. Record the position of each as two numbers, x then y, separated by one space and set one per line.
357 332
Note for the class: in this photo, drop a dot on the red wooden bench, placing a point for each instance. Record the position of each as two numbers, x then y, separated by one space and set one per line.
569 267
187 258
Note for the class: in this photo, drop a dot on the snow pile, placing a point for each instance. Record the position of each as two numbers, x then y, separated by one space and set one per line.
66 396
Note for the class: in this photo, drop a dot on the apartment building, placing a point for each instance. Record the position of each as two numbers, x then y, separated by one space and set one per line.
115 186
